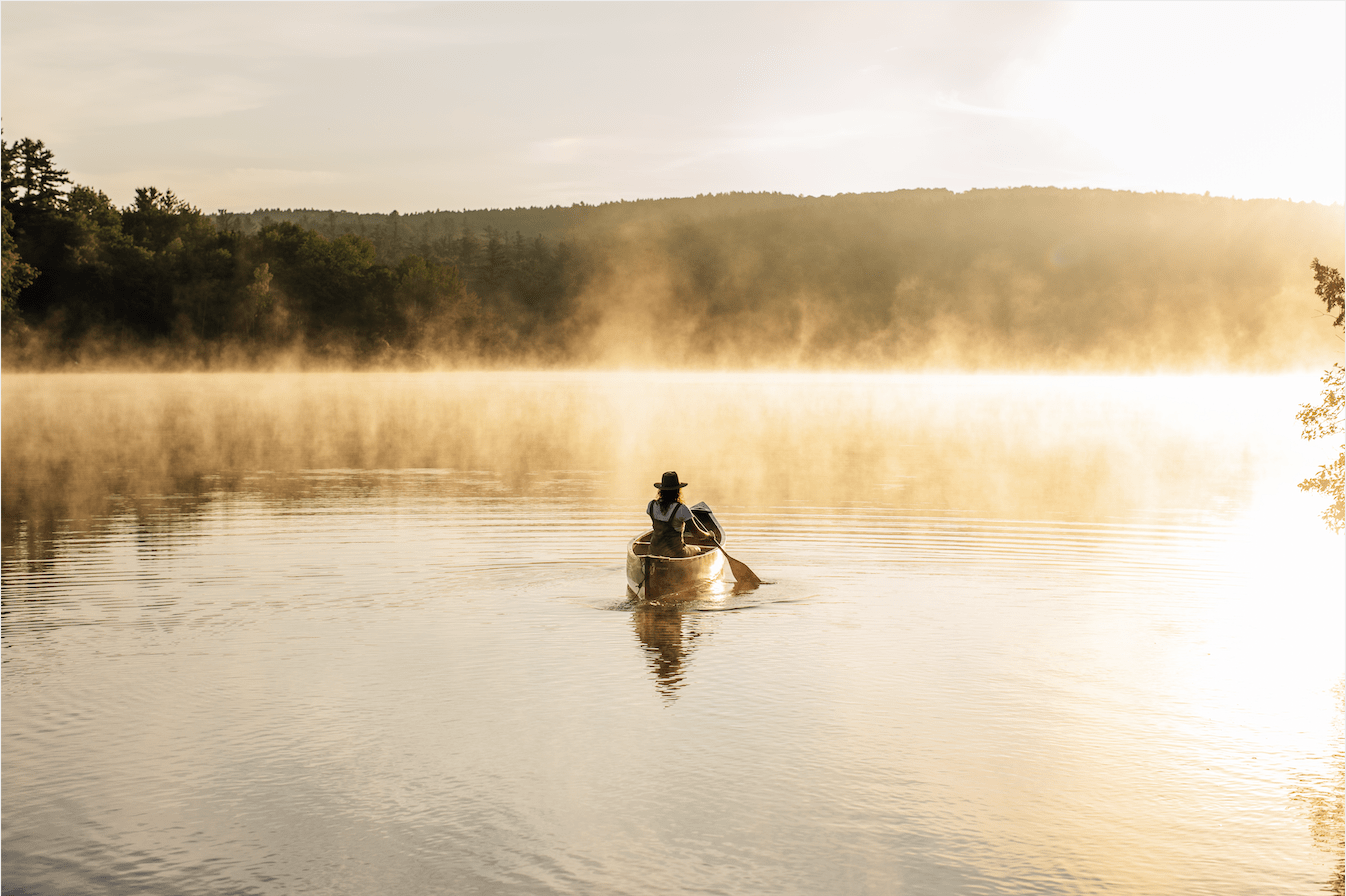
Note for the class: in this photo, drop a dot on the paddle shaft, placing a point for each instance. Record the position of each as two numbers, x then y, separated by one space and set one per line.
741 572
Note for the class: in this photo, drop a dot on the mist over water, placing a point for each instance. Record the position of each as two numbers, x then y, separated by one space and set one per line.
369 632
1011 446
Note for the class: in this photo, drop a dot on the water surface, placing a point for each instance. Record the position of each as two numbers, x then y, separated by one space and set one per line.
368 633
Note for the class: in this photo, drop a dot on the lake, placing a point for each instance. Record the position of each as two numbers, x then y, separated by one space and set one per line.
369 633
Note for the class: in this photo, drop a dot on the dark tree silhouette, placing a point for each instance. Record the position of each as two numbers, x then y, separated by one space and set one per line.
1329 289
31 179
17 275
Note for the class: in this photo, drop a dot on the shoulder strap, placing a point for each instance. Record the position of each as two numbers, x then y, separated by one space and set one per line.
672 512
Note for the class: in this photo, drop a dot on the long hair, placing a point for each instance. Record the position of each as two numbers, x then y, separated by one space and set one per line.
669 495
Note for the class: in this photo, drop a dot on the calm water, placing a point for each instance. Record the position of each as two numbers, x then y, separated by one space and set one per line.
368 634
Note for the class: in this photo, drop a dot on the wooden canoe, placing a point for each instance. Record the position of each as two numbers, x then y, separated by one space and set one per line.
673 578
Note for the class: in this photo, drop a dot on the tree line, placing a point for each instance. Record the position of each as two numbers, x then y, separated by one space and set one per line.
84 278
1026 278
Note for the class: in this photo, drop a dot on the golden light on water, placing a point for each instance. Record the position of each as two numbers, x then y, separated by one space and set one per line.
974 336
1086 627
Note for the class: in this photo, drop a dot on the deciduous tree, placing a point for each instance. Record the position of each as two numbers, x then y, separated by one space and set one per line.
1324 419
1329 289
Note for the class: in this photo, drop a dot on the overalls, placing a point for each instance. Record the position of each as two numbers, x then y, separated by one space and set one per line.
667 540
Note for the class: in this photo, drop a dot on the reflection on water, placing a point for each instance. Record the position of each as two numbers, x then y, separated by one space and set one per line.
668 636
368 634
669 632
1323 797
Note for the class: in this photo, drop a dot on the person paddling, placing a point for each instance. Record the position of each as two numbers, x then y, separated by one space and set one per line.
670 516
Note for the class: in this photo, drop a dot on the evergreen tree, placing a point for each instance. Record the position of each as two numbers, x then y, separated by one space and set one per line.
31 179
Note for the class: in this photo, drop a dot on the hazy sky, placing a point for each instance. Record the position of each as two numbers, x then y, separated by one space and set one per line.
414 106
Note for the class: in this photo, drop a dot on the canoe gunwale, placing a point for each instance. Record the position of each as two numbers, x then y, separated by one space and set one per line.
671 577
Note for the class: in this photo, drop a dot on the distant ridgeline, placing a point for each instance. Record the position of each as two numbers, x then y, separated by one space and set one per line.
419 231
1007 279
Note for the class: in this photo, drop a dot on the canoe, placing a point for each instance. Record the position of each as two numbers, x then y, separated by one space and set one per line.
679 578
673 578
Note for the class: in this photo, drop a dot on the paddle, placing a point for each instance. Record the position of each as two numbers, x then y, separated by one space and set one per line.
704 520
742 574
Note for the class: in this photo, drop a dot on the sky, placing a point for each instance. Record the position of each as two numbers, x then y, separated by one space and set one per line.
375 107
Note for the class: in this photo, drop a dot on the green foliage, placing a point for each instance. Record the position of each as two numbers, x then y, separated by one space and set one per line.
157 218
94 207
1324 419
158 273
16 276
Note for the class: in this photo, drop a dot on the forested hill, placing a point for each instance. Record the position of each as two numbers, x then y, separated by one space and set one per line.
1017 279
393 232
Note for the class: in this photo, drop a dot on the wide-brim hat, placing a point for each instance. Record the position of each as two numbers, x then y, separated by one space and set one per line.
669 482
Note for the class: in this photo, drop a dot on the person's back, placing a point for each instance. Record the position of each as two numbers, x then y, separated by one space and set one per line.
669 517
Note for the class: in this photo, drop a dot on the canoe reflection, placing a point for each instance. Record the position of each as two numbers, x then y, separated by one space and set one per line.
667 634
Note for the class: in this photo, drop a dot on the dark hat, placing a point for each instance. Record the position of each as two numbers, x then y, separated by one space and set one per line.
670 482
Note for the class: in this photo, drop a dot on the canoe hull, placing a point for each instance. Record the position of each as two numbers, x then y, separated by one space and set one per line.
672 578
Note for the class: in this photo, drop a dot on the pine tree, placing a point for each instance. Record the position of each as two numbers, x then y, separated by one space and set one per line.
31 179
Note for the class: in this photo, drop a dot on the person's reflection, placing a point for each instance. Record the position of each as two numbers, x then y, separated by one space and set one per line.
661 631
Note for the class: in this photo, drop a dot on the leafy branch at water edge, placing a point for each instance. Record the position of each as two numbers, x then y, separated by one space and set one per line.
1324 419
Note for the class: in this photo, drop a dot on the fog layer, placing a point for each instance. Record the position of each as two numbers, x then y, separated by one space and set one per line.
999 279
76 447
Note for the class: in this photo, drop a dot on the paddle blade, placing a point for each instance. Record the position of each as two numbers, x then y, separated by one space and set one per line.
742 574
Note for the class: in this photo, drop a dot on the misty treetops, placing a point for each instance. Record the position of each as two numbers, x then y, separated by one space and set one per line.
1027 278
